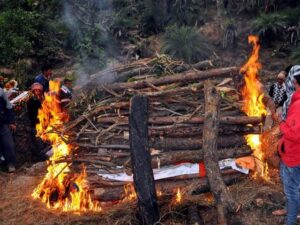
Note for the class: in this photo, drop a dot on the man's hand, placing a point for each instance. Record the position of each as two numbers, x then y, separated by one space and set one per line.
13 127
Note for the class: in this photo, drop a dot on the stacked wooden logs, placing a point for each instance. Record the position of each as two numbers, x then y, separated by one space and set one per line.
175 127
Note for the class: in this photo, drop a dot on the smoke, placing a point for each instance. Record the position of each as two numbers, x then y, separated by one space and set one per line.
89 37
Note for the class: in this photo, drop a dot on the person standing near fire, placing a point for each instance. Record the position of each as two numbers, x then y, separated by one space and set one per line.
289 151
65 93
292 71
7 126
33 106
44 77
278 91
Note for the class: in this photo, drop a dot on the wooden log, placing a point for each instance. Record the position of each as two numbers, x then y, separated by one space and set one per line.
225 202
187 77
141 161
161 159
123 73
169 120
198 185
165 143
171 144
177 91
190 131
170 158
98 109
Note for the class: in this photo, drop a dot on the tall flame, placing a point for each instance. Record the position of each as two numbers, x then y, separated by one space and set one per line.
253 98
60 190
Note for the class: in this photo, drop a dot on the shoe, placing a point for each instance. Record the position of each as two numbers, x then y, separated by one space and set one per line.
279 212
282 212
11 168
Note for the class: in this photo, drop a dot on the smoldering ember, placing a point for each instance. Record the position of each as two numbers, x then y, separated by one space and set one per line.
149 112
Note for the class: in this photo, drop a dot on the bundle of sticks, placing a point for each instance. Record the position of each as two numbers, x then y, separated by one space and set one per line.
176 117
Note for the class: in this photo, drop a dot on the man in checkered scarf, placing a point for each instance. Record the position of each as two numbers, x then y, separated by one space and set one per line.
277 90
290 89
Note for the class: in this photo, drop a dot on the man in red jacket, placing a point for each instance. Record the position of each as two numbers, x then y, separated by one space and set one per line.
289 150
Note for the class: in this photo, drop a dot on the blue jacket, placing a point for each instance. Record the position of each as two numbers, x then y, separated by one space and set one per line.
43 81
7 115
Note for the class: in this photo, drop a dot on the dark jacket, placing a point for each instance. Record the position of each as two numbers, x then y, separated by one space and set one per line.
33 106
65 95
43 81
7 115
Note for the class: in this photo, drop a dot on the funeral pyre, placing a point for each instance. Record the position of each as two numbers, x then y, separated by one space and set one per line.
98 136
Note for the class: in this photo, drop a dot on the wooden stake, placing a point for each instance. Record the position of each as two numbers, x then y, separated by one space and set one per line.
141 161
225 202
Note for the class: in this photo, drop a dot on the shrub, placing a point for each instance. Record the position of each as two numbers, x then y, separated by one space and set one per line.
186 43
270 26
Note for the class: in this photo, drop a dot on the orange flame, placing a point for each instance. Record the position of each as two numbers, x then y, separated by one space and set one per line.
178 195
58 189
130 193
253 98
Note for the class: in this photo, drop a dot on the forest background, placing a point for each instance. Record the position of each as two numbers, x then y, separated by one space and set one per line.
86 36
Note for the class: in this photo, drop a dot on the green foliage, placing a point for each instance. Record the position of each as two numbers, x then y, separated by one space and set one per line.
258 4
156 15
270 26
292 15
91 54
27 29
186 43
88 40
186 13
16 40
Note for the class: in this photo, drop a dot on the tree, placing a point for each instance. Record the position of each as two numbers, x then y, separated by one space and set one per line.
26 30
86 38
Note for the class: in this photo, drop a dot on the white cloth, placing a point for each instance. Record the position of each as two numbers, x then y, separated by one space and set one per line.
175 170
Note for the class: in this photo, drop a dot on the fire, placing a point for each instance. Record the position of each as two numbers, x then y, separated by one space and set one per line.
253 98
158 193
130 193
60 190
178 195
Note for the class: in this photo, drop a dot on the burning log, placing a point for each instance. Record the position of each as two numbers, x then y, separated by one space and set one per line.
225 202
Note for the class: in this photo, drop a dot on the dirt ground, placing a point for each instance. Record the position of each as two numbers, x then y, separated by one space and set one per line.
257 198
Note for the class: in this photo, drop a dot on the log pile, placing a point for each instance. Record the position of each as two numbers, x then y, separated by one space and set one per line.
175 127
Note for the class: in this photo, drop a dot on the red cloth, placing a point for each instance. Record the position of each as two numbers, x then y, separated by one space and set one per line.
289 145
202 170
